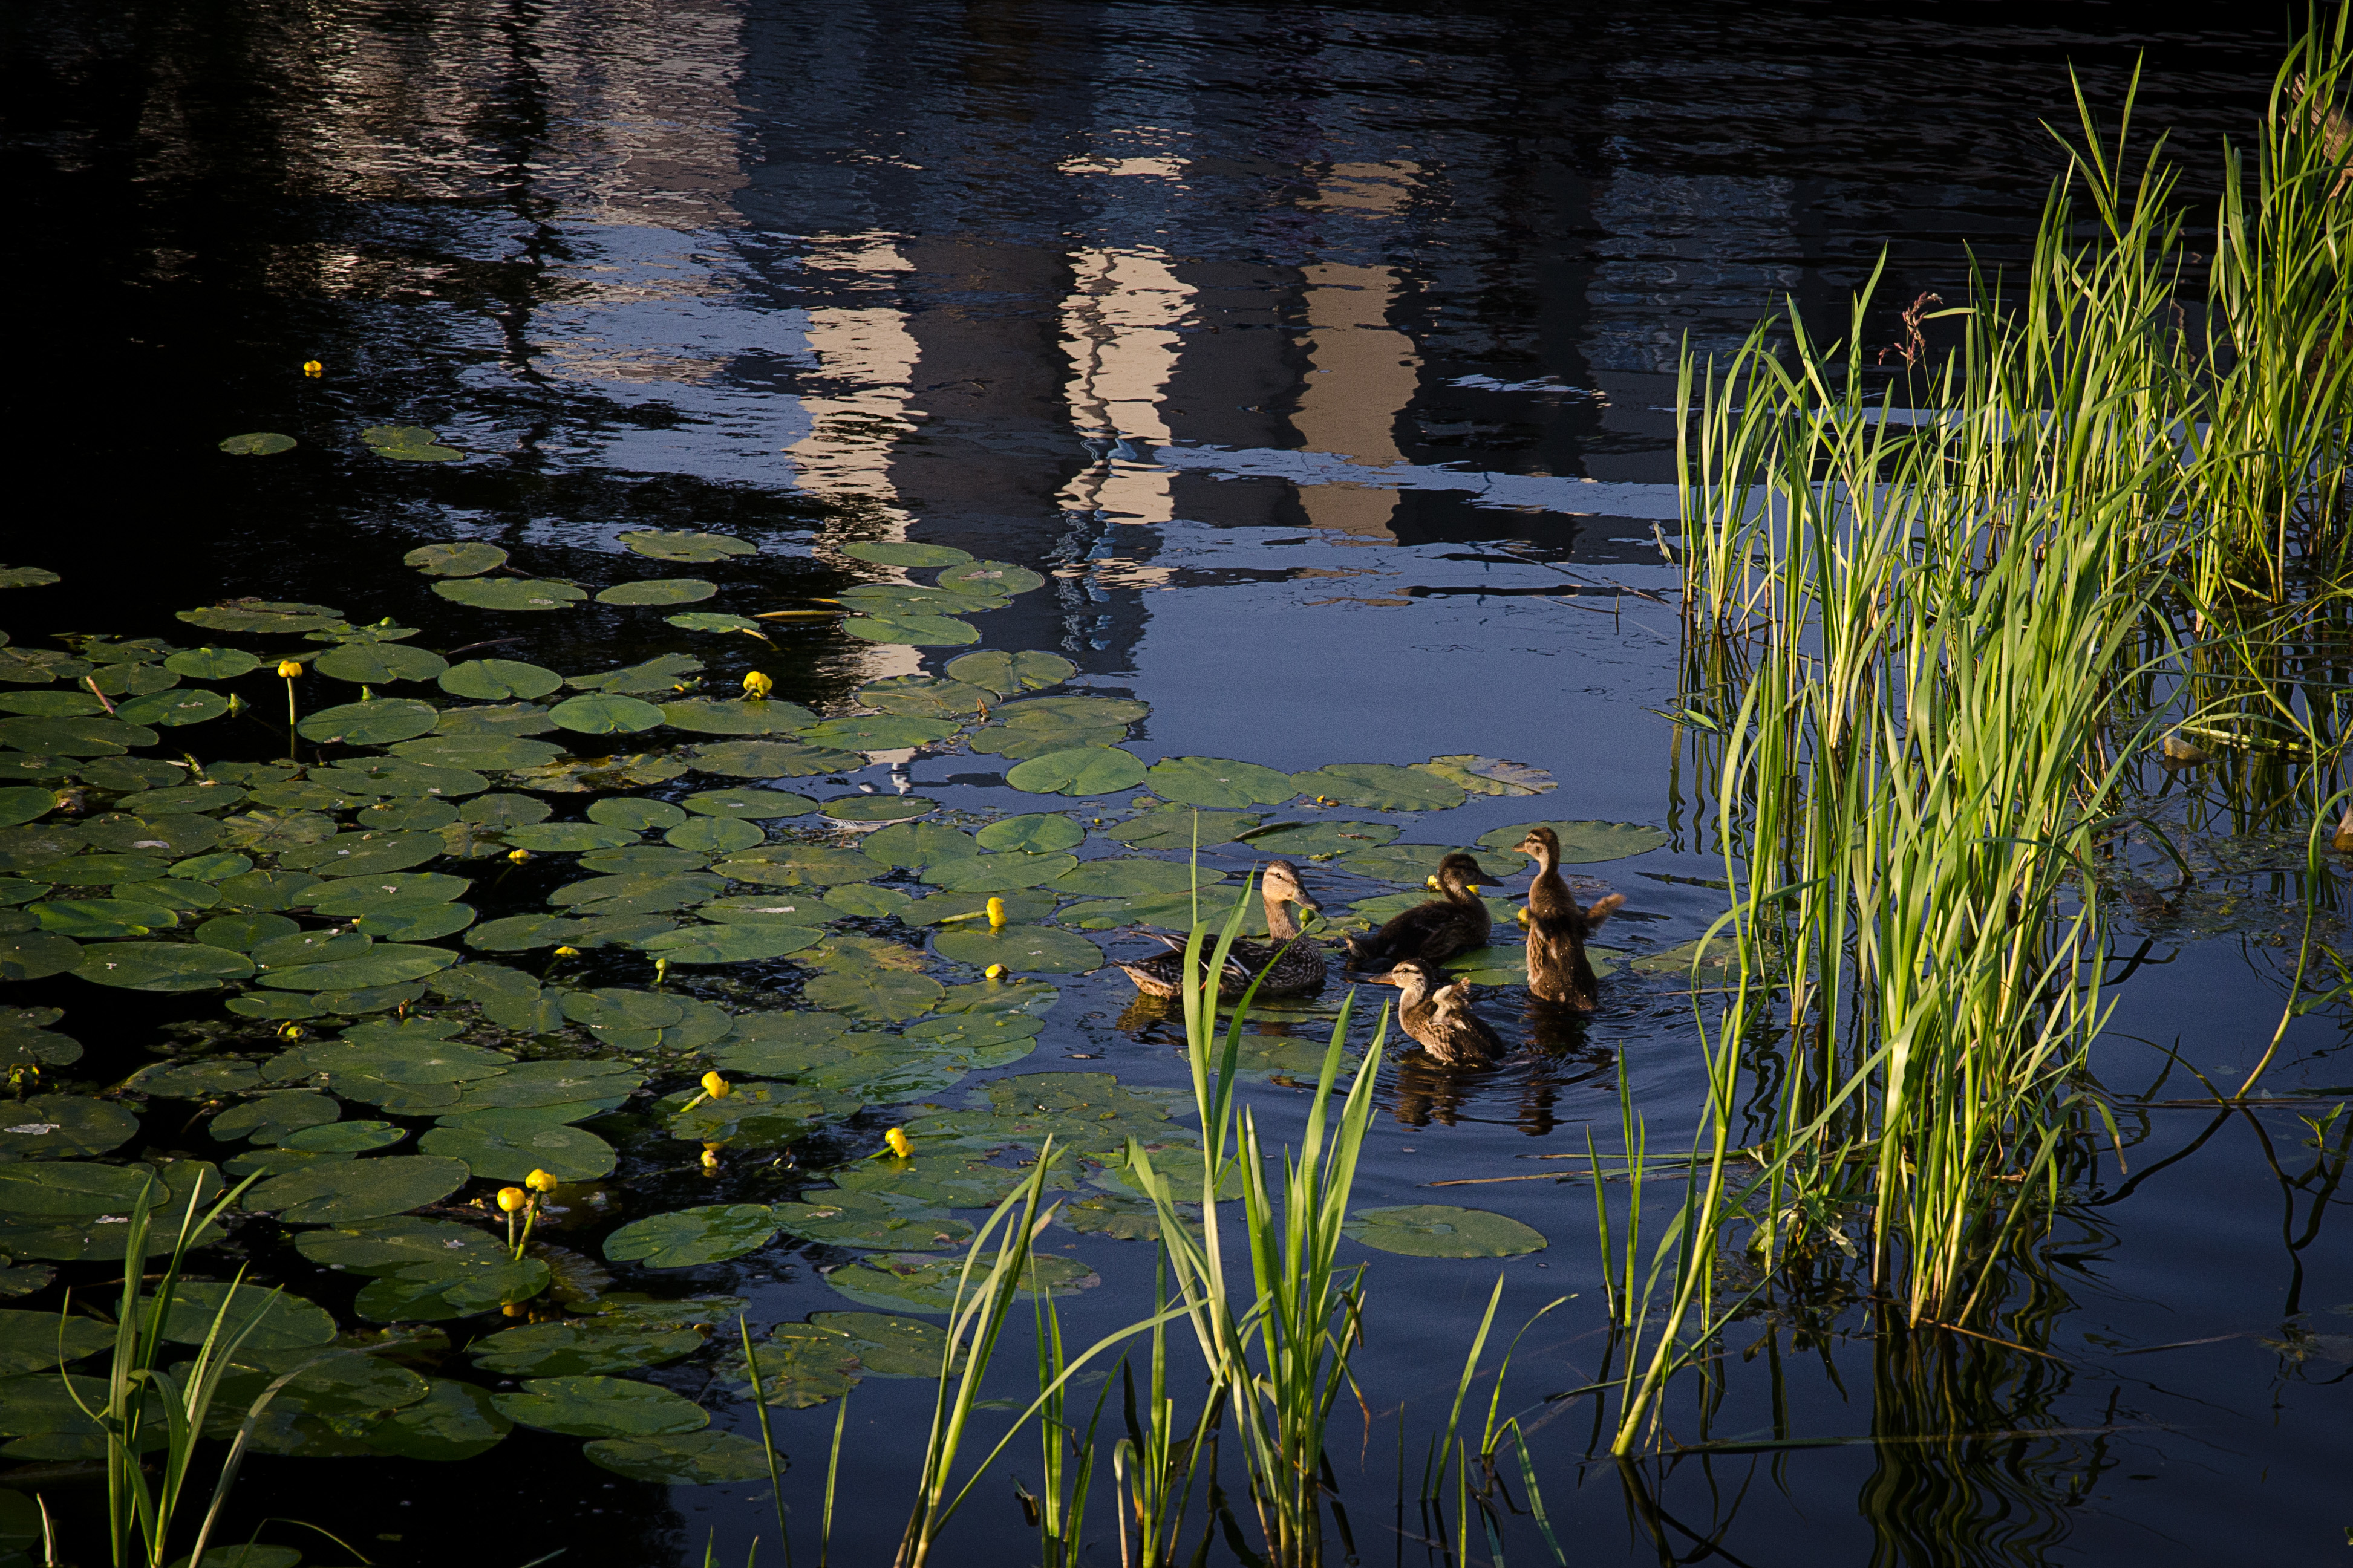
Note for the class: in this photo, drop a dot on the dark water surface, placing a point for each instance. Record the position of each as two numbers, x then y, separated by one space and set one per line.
1312 353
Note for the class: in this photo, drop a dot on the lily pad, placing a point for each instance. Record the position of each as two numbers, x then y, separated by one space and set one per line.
1022 741
1379 787
361 895
380 663
455 1421
74 737
912 630
568 837
886 1345
728 943
156 965
802 866
750 805
34 1342
600 1407
867 808
712 621
190 705
375 723
880 1220
682 1459
771 759
212 663
686 1239
510 593
1044 950
341 1191
1037 833
499 681
1217 781
481 752
258 444
278 1321
471 558
1000 577
905 552
1128 878
408 443
916 1283
1441 1230
267 1118
1088 770
996 873
736 716
922 696
1413 863
1009 674
93 918
583 1347
345 1138
1490 775
387 963
880 732
1180 829
658 591
861 901
919 844
1583 843
1316 840
713 835
508 1145
602 714
882 994
684 544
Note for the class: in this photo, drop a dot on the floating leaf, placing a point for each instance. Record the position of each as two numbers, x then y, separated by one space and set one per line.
262 615
62 1127
361 895
877 808
1583 843
886 1345
1009 674
259 444
996 873
863 901
928 1284
1316 840
999 575
1490 775
881 1220
1379 787
267 1319
1172 909
880 732
905 552
1091 770
1411 863
922 696
509 594
74 737
751 804
1130 878
919 844
33 1341
658 591
682 1459
912 629
601 713
455 1421
736 716
380 663
600 1407
343 1191
267 1118
712 621
96 918
387 963
345 1138
583 1347
686 1239
465 560
409 443
601 772
908 598
1037 949
498 679
154 965
482 752
1178 829
1037 833
771 759
1024 742
730 943
400 776
1218 782
879 993
373 723
1441 1230
173 709
713 835
684 544
568 837
802 866
508 1145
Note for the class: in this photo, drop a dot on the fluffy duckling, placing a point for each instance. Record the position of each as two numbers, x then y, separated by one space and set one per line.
1557 928
1455 921
1292 966
1437 1012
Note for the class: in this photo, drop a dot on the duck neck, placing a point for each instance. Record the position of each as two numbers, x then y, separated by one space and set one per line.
1280 926
1460 894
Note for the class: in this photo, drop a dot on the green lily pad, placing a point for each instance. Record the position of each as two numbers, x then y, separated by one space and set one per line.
912 630
481 753
686 1239
882 994
361 895
757 1115
499 681
343 1191
682 1459
602 714
560 1090
767 908
1490 775
508 1145
905 552
886 1345
278 1321
636 813
919 844
212 663
34 955
1088 769
510 593
1037 833
861 901
1178 829
600 1407
23 803
750 805
730 943
62 1127
1379 787
568 837
466 559
735 716
1175 910
880 732
345 1138
1441 1230
195 1080
585 1347
375 723
684 544
267 1118
996 873
1129 878
33 1341
1316 840
258 444
1038 949
1009 674
713 835
636 895
1217 781
409 443
1413 863
916 1283
658 591
380 663
96 918
884 1221
877 808
387 963
455 1421
160 965
922 696
712 621
802 866
172 709
771 759
74 737
401 776
1023 742
1000 577
1583 843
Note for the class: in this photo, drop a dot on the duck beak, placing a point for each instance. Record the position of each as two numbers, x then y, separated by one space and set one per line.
1394 977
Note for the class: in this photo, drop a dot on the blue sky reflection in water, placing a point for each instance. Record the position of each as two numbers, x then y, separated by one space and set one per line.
1322 359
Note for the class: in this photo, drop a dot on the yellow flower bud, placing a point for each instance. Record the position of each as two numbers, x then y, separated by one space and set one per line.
995 914
711 1156
290 669
757 685
313 367
518 855
291 1032
1522 917
515 1309
512 1198
995 971
899 1143
715 1086
567 952
541 1181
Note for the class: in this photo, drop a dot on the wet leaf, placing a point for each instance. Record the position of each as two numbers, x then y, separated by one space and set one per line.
561 1091
769 908
601 772
712 621
269 1320
479 751
600 1407
999 575
922 696
508 1145
172 709
683 1458
738 716
1131 877
387 963
1176 910
380 664
341 1191
568 837
1009 674
602 714
880 1220
262 615
1583 843
33 1341
1037 833
408 443
498 681
1379 787
906 553
889 1346
751 804
1441 1230
259 444
345 1138
684 544
89 920
658 591
728 943
995 873
375 723
912 630
1217 781
1091 770
583 1347
864 808
1316 840
401 776
1490 775
880 732
802 866
1177 830
74 737
713 835
801 1366
919 844
509 594
465 560
212 663
363 895
1021 742
915 1283
152 965
864 901
267 1118
1037 949
771 759
456 1421
907 598
1401 862
882 994
686 1239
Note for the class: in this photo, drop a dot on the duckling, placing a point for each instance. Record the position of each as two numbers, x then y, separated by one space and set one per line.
1455 921
1293 966
1437 1012
1557 928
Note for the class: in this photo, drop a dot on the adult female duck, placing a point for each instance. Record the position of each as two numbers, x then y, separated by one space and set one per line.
1292 965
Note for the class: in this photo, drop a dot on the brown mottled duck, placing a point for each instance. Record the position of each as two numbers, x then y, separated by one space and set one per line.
1437 1012
1454 922
1558 925
1292 965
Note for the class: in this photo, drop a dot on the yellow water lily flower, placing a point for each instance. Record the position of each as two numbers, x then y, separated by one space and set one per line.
1522 917
1429 881
757 685
995 914
293 1031
716 1086
567 952
518 855
290 669
512 1198
994 972
541 1181
313 367
899 1143
711 1156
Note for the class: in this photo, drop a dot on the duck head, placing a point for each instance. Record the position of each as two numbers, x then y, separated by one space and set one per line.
1458 874
1414 978
1542 844
1280 884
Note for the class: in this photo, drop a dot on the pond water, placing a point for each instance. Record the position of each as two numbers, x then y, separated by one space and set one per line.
1313 372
